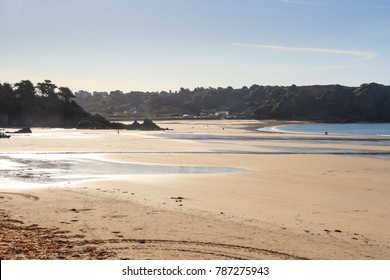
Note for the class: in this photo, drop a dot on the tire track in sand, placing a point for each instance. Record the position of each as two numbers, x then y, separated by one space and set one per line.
129 248
9 196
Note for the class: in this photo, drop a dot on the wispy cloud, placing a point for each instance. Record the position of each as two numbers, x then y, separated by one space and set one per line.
382 7
302 2
358 55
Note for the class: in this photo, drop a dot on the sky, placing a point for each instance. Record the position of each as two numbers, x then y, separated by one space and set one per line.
155 45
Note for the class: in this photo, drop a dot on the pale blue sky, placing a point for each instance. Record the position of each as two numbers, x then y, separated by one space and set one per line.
167 44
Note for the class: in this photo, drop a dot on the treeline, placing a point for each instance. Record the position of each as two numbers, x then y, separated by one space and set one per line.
25 105
44 104
330 102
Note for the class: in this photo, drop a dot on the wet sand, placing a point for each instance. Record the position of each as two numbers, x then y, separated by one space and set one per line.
218 190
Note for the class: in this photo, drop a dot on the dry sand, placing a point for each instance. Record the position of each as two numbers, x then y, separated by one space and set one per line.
279 203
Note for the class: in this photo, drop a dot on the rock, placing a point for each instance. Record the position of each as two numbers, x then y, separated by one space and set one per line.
98 122
94 122
134 126
23 130
146 125
150 125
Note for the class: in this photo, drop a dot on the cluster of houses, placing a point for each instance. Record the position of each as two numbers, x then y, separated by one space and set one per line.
210 113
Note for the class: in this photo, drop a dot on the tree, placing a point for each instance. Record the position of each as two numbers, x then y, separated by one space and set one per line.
66 93
47 88
26 90
7 99
25 98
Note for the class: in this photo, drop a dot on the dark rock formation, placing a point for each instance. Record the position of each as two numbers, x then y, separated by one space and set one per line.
135 126
146 125
98 122
94 122
24 130
46 105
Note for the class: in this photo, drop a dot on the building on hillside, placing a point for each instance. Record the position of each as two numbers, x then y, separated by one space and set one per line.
206 113
222 114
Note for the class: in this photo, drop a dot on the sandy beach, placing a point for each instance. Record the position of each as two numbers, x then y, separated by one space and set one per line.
206 189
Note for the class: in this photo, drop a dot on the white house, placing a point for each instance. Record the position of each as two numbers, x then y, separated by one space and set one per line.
222 113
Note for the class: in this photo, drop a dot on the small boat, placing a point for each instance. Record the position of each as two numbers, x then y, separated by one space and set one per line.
3 135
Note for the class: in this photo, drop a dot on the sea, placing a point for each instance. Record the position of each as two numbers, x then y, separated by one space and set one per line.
355 129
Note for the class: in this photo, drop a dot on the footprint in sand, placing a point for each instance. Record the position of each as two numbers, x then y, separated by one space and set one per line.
117 234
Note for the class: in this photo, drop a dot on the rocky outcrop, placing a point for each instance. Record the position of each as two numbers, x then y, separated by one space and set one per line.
146 125
98 122
94 122
22 130
46 105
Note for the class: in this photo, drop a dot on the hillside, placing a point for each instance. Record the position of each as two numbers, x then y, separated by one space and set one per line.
46 105
368 102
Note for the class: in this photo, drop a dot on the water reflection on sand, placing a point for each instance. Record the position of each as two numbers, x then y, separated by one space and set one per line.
44 168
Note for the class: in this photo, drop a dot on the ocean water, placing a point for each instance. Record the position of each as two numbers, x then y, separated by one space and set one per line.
363 129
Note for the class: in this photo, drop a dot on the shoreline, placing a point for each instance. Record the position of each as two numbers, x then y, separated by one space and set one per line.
328 129
281 206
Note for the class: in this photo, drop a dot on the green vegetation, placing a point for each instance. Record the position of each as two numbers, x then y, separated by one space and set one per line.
24 104
369 102
46 105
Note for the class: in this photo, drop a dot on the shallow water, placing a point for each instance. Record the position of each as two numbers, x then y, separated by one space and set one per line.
362 129
30 169
382 154
317 139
